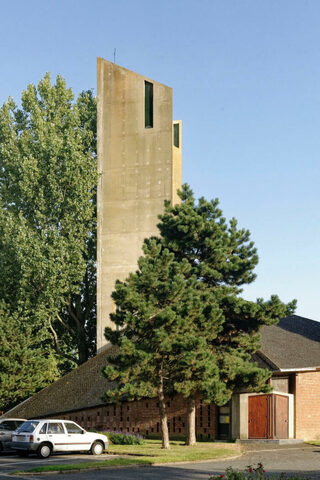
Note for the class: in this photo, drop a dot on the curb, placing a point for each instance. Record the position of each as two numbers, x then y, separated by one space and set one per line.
133 465
221 459
78 470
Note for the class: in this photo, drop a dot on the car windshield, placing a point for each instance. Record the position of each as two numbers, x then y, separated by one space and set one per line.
28 427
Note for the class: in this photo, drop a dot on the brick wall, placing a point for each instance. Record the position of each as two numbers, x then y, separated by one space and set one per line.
307 405
143 417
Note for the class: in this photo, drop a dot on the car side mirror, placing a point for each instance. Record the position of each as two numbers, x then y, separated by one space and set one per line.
82 431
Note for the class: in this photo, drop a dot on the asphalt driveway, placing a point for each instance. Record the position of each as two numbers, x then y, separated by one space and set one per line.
303 459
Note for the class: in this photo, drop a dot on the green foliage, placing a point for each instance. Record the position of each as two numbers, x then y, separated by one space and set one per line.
253 473
47 217
181 322
123 438
26 361
152 309
222 258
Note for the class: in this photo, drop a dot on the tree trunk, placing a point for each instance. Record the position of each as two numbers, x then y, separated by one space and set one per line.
163 416
191 421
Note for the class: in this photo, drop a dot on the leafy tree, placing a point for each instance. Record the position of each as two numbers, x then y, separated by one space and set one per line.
47 219
196 335
26 363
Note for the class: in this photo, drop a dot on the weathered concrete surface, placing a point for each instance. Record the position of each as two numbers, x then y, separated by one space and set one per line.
137 173
177 166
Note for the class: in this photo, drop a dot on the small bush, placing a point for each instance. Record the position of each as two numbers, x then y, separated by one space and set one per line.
252 473
124 438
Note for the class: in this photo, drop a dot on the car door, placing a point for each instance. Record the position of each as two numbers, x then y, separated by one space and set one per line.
77 438
57 435
42 435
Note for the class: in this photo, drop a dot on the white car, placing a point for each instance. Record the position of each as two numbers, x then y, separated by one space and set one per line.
7 426
46 436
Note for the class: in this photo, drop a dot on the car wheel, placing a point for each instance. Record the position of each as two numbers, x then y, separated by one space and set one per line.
44 451
97 448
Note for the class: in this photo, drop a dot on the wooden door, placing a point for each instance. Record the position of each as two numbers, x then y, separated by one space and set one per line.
281 416
258 416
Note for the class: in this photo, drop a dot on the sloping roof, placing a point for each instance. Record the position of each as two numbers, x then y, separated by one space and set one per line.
292 344
81 388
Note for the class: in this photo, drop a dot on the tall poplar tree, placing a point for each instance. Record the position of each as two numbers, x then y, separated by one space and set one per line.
47 220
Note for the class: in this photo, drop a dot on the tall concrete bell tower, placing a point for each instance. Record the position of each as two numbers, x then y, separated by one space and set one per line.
139 163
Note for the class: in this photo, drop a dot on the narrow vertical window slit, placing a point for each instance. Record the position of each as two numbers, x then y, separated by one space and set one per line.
148 104
176 135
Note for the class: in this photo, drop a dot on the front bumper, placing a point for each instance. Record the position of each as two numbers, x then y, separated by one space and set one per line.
26 446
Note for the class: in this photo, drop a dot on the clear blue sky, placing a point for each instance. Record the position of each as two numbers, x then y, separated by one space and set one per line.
246 83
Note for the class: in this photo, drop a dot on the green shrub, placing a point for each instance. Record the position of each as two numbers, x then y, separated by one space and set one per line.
124 438
253 473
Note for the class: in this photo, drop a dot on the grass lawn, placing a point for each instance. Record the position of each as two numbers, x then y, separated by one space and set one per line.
148 454
178 452
113 462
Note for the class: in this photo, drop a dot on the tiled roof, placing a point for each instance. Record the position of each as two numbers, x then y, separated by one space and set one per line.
81 388
294 343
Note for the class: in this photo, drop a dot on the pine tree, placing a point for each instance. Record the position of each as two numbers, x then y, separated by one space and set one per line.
153 307
222 258
183 327
26 360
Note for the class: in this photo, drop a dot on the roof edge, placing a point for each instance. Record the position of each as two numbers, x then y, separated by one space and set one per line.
48 387
266 359
303 369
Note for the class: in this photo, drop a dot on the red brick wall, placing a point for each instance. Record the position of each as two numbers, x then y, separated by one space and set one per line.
307 405
143 417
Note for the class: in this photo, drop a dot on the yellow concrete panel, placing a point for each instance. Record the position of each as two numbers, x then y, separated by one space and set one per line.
139 169
177 166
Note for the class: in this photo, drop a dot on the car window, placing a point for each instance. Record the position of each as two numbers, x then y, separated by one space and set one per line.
8 425
73 428
43 429
18 423
55 428
28 427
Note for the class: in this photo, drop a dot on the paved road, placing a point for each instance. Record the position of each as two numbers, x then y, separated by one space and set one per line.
304 460
10 463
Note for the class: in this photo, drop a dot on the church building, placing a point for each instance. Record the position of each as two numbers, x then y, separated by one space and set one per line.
139 165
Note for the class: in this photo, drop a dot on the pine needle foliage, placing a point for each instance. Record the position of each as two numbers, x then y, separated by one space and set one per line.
27 363
182 326
222 257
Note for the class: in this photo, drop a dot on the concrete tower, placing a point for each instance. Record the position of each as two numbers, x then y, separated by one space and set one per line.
139 162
